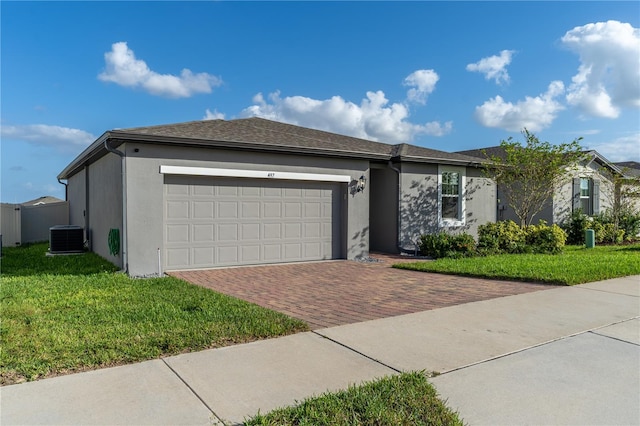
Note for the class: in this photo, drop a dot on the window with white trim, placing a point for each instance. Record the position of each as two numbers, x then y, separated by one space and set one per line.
585 195
451 182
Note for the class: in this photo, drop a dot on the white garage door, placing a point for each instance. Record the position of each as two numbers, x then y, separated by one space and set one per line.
216 221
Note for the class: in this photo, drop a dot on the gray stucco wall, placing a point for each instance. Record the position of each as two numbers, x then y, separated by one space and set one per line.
419 207
145 192
105 205
481 201
76 192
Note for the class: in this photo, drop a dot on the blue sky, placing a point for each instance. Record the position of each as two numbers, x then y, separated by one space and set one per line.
444 75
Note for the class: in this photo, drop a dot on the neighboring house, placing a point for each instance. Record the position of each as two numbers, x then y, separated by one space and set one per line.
590 187
252 191
29 222
40 201
631 170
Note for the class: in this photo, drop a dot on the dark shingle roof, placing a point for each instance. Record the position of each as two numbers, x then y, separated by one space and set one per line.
412 152
630 168
260 131
261 134
483 153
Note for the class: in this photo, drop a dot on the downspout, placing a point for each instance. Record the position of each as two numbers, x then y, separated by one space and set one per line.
125 260
66 189
399 201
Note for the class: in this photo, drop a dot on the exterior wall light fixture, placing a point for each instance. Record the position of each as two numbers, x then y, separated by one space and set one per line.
360 185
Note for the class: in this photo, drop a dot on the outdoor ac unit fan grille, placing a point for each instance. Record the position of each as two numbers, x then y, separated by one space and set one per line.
66 239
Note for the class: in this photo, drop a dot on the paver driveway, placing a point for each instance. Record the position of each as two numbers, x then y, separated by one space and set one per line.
326 294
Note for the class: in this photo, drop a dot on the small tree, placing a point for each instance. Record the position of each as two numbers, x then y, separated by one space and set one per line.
529 175
622 190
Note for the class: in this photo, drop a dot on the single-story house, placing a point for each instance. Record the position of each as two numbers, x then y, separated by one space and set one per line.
249 191
589 187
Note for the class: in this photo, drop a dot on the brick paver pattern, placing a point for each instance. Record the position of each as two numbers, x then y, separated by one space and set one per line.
331 293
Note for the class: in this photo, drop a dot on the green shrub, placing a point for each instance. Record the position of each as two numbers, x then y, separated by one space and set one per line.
542 238
501 237
629 221
576 225
607 226
446 245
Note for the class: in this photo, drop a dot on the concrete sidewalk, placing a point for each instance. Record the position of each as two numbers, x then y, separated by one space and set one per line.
568 355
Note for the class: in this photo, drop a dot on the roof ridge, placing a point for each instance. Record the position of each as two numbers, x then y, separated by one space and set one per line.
307 128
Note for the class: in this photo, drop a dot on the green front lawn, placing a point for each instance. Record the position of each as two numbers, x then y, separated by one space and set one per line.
71 313
407 399
576 265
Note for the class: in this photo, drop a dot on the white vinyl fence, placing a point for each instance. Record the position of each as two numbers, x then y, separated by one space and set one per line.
29 224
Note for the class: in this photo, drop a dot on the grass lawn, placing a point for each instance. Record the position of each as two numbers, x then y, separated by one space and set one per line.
407 399
576 265
71 313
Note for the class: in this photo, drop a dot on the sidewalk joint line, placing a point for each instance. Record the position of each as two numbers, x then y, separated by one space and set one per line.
614 338
192 390
358 352
604 291
539 345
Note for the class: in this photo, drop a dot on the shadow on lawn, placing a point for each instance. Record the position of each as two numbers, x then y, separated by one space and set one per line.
32 259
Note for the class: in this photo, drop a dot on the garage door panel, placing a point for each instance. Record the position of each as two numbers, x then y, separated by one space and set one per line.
228 232
250 254
228 255
178 233
272 252
272 231
213 222
203 210
250 209
203 256
201 190
227 209
203 233
292 230
293 210
178 210
177 257
272 210
251 191
250 231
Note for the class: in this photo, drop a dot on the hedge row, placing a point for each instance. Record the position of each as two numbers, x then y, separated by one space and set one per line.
496 238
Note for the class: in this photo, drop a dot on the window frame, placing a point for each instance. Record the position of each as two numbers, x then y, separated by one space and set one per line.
586 198
462 180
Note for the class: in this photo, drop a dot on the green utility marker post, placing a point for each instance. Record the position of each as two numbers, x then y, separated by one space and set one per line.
590 238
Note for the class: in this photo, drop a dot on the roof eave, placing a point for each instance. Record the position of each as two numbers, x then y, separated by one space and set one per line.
90 153
451 161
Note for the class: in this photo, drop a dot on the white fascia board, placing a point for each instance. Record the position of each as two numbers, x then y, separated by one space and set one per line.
256 174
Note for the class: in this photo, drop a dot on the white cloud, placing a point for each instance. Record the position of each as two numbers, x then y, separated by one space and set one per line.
373 119
494 67
423 83
124 69
625 148
215 115
608 78
60 138
532 113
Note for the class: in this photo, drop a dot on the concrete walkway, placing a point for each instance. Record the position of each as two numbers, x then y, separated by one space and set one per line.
568 355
